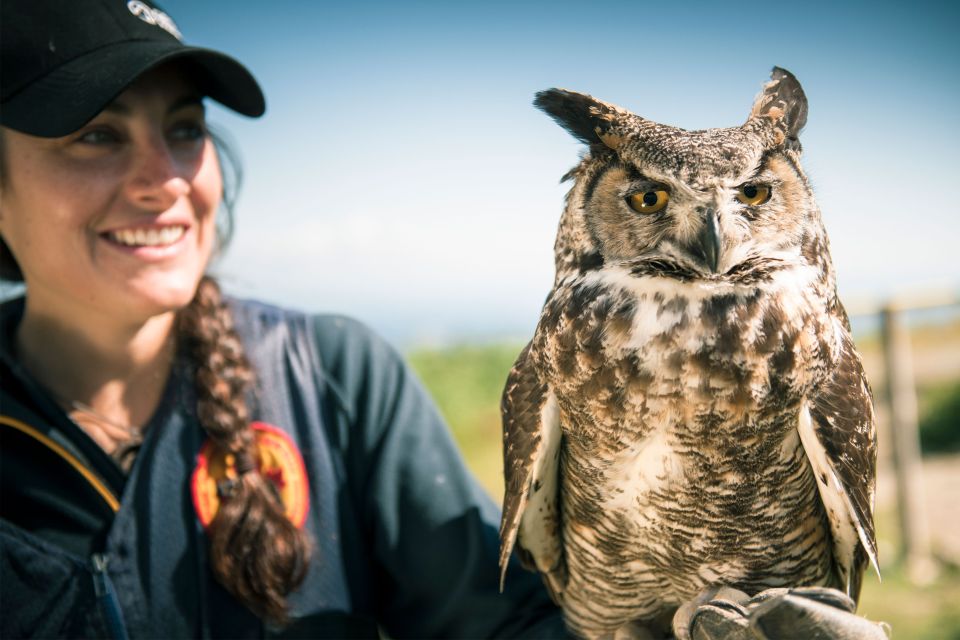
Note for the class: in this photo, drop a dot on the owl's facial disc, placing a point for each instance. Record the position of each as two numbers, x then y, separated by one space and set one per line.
735 225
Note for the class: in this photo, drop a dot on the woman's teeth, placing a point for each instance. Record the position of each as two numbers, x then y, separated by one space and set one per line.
147 237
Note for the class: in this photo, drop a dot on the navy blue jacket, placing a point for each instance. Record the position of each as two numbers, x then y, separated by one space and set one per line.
405 540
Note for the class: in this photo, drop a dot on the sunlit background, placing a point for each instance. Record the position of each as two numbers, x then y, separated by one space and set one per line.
402 176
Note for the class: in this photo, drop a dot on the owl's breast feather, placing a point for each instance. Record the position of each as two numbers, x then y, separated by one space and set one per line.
618 349
679 405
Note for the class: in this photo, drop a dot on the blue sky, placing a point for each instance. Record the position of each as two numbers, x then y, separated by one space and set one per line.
402 176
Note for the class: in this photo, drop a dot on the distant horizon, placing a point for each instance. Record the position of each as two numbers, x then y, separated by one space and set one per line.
417 333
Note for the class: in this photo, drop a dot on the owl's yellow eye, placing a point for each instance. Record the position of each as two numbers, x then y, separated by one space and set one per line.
648 201
753 194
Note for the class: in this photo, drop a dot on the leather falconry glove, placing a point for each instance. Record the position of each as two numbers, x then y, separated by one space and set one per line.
808 613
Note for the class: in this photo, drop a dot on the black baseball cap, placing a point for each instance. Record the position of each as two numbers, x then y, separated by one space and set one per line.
62 62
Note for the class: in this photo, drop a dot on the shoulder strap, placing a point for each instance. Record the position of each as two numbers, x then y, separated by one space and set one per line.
48 488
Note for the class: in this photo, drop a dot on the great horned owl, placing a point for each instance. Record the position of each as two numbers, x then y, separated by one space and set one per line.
691 411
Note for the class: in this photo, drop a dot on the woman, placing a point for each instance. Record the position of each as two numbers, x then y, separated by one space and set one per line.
175 463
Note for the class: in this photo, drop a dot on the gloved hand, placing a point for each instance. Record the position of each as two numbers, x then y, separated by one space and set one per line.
808 613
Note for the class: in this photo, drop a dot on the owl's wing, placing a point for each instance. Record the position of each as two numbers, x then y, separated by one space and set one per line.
531 461
839 435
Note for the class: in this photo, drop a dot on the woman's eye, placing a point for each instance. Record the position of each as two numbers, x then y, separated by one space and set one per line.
648 201
188 131
99 137
753 194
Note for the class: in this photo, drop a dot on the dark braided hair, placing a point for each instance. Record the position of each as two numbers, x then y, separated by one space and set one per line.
255 551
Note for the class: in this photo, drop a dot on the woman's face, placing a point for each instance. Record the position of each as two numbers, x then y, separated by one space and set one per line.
118 217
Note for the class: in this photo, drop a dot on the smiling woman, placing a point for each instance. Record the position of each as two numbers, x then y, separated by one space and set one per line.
115 222
111 226
175 462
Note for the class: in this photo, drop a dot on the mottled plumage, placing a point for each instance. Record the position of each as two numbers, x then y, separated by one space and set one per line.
691 410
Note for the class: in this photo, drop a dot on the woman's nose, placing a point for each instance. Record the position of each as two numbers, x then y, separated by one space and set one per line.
157 177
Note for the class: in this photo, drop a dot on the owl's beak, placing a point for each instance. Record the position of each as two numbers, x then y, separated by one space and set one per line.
709 244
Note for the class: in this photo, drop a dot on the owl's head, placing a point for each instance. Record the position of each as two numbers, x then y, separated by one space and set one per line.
717 204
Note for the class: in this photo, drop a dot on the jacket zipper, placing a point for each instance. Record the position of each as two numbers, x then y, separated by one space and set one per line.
107 597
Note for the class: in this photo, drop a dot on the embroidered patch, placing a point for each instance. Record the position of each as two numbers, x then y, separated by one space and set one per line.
278 461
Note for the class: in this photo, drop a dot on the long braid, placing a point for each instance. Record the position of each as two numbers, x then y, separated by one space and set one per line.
255 551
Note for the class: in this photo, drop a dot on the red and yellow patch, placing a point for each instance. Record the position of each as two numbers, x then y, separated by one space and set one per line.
278 461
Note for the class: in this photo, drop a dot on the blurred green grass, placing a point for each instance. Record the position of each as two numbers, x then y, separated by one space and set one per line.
466 382
939 408
914 612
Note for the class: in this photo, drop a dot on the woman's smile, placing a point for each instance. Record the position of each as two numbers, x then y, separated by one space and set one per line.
150 242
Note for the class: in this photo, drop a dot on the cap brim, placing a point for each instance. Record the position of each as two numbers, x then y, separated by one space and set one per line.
67 98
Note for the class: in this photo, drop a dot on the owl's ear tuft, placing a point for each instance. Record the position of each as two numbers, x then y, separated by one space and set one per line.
589 120
783 97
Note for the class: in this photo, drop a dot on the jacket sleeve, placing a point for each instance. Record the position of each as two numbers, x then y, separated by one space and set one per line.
432 528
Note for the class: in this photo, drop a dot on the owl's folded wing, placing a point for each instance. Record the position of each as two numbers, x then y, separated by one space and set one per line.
531 452
838 432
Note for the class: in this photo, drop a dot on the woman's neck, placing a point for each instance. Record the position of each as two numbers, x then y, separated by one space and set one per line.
116 369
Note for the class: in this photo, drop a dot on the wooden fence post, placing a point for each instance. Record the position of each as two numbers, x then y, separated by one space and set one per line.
901 397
